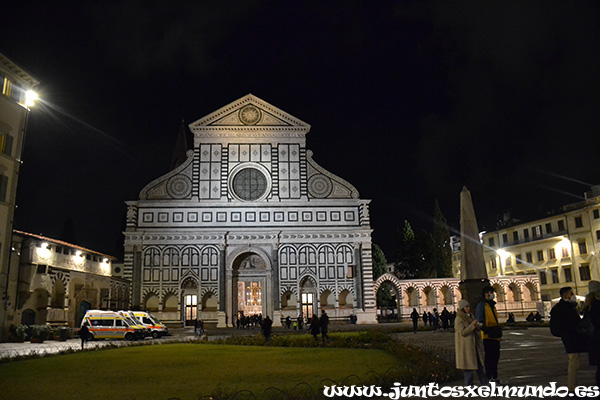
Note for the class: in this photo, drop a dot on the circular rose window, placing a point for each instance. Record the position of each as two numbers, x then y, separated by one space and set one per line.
249 184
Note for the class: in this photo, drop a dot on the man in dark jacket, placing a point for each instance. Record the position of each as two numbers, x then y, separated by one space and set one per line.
266 328
84 334
415 319
324 322
491 333
564 319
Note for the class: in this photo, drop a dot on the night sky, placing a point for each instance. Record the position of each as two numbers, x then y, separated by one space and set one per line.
407 101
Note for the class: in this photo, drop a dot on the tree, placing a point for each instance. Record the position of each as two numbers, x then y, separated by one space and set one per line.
408 259
441 249
384 295
379 262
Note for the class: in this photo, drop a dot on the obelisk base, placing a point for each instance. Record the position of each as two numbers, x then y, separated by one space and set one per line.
471 289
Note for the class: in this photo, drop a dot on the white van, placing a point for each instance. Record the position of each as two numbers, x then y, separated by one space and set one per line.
110 325
148 320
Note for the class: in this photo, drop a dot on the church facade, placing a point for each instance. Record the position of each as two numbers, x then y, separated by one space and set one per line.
249 224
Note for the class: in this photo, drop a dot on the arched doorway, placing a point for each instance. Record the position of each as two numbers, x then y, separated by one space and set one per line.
28 317
189 299
250 284
308 297
387 298
83 307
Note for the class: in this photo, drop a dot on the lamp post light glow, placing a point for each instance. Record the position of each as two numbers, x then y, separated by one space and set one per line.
30 98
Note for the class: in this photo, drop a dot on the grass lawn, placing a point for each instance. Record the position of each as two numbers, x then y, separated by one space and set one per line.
185 371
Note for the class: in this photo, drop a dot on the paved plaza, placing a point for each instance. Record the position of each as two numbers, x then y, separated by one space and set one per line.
527 357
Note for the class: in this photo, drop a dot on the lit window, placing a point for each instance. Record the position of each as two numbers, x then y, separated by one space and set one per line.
565 252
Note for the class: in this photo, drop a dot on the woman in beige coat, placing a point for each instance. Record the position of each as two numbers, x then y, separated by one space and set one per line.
468 345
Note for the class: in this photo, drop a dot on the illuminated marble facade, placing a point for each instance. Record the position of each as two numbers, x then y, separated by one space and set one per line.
249 206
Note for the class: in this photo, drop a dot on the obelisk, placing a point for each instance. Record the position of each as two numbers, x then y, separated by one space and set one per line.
473 273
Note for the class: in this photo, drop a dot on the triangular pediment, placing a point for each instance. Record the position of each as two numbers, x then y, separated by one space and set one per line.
249 112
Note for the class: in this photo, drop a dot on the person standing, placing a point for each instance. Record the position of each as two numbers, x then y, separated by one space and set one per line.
445 317
266 326
435 321
564 321
468 345
84 334
415 319
324 323
425 318
491 332
591 313
314 326
300 321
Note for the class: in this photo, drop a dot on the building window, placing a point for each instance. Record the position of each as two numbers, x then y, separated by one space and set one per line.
596 213
554 273
525 234
493 263
543 278
507 261
548 227
540 255
568 276
565 252
3 187
578 222
597 235
6 142
561 225
551 254
504 238
536 232
491 241
518 259
582 247
516 237
584 272
529 257
41 269
350 273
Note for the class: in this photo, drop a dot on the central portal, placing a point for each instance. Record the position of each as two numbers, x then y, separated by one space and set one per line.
250 297
250 285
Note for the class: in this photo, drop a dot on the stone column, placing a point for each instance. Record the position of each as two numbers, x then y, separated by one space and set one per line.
274 283
222 267
223 321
